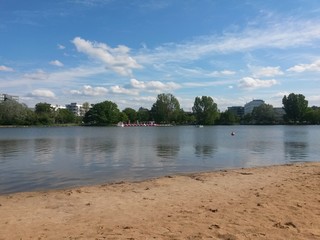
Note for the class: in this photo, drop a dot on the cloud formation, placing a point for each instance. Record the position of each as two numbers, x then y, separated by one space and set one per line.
121 90
5 68
154 85
266 71
56 63
117 59
134 88
279 36
88 90
61 47
254 83
42 93
312 67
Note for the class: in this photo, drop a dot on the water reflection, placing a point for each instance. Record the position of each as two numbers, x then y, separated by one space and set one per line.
296 150
260 147
205 151
296 143
204 143
44 151
98 152
167 151
11 148
167 143
53 157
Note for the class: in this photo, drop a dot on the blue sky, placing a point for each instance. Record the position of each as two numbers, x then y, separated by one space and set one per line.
129 51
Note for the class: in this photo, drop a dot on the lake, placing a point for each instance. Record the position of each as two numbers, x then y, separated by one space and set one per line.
61 157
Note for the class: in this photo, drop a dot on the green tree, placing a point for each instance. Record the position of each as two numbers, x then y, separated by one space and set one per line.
186 117
131 114
295 107
43 108
264 114
45 114
123 117
313 115
228 118
64 116
166 109
15 113
205 110
143 115
104 113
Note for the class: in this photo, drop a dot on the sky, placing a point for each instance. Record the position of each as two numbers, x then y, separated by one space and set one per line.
129 51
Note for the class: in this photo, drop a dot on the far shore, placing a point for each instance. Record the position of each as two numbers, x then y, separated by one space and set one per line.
275 202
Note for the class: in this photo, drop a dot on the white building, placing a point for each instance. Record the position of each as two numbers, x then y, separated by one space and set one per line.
4 97
77 109
57 107
248 107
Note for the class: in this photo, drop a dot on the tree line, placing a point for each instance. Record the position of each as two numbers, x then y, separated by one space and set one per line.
166 110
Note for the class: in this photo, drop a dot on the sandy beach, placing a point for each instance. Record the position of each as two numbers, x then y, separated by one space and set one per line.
277 202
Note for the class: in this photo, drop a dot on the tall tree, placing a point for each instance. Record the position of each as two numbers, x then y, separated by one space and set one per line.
15 113
131 113
65 116
264 114
205 110
166 109
104 113
295 106
228 118
313 115
43 108
143 114
44 114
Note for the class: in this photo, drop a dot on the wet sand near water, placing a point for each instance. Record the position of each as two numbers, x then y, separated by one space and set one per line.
277 202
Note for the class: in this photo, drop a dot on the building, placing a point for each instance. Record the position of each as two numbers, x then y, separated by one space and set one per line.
248 107
5 97
77 109
57 107
237 110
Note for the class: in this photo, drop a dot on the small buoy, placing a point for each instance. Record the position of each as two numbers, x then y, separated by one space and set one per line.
233 133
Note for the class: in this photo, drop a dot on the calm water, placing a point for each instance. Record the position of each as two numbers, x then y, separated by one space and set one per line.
45 158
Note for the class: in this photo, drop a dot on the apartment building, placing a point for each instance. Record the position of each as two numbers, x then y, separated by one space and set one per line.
5 97
237 110
77 109
248 107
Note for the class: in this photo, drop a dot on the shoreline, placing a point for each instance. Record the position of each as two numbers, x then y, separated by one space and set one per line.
272 202
142 179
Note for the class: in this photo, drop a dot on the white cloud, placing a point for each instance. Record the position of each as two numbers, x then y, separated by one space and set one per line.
61 47
37 75
288 34
42 93
6 69
56 63
88 90
116 59
154 85
56 77
249 82
121 90
227 72
312 67
266 71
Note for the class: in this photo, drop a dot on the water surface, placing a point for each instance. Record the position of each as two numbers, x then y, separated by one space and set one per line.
59 157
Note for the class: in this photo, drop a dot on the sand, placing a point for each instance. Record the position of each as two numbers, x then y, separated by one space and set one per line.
277 202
